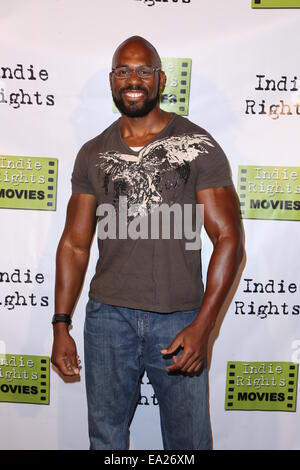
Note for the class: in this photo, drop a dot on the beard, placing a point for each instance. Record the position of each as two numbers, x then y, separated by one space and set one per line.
135 110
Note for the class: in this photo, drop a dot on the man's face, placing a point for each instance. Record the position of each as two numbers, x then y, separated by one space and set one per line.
134 96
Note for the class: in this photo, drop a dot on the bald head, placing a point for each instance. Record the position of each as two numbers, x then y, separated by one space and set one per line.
135 95
133 47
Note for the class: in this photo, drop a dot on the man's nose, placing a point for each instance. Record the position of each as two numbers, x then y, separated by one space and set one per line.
134 78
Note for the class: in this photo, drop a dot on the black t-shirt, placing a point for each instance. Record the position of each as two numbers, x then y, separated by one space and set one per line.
149 272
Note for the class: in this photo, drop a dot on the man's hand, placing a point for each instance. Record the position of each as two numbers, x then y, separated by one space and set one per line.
193 339
71 263
64 354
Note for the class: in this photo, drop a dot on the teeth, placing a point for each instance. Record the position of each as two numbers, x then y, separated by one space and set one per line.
134 95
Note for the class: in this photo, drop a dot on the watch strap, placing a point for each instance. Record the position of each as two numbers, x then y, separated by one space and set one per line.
61 318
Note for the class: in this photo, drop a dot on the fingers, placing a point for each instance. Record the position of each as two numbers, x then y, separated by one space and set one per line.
193 364
72 364
69 365
172 347
195 368
184 361
188 362
194 350
64 354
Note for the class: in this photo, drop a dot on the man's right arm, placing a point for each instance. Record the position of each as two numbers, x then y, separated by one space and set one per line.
71 263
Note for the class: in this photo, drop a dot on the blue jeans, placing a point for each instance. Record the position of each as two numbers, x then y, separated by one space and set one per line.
120 343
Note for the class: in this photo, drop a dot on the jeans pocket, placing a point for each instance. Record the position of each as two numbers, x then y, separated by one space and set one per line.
93 307
92 316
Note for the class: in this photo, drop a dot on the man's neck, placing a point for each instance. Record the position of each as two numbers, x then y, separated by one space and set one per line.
138 131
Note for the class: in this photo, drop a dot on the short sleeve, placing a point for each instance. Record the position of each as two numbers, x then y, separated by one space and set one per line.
212 168
80 175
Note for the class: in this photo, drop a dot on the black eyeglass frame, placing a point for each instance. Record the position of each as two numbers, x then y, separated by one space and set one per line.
154 69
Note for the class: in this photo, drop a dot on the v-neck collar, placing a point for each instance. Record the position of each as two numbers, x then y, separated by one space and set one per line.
156 137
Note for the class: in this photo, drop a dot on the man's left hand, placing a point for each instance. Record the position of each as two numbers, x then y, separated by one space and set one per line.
193 339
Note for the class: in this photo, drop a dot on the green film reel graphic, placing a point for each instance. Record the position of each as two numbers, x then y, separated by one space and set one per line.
175 97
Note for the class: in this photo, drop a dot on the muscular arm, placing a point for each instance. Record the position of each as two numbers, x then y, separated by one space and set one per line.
223 226
71 262
73 250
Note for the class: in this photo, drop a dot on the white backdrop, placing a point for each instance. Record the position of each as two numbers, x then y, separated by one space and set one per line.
229 44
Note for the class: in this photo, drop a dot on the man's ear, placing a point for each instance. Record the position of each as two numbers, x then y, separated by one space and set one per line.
110 80
163 80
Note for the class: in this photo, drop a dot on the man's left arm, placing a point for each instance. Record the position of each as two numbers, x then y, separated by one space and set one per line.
223 225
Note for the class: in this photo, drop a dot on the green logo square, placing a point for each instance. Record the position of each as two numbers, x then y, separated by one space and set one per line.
28 182
175 97
265 386
269 192
24 379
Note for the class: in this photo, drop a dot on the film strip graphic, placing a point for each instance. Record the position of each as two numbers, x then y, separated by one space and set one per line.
176 95
44 380
230 386
292 386
242 188
261 386
51 186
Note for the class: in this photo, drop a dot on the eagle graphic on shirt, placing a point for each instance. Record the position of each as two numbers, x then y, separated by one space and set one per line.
141 178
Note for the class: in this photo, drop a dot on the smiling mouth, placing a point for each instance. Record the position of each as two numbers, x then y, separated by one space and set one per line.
134 95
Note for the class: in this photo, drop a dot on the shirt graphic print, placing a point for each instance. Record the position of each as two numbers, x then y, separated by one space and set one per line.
163 163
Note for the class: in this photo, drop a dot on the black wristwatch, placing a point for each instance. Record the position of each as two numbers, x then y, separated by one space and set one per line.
61 318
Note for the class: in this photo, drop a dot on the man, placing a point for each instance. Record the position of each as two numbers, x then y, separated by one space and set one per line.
146 309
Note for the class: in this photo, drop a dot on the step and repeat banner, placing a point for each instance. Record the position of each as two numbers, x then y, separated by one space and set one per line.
233 69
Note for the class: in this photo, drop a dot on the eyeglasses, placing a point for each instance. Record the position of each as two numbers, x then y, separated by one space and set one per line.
143 71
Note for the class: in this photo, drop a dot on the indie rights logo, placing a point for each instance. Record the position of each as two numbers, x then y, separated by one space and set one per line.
269 192
184 221
269 386
24 76
284 95
28 182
